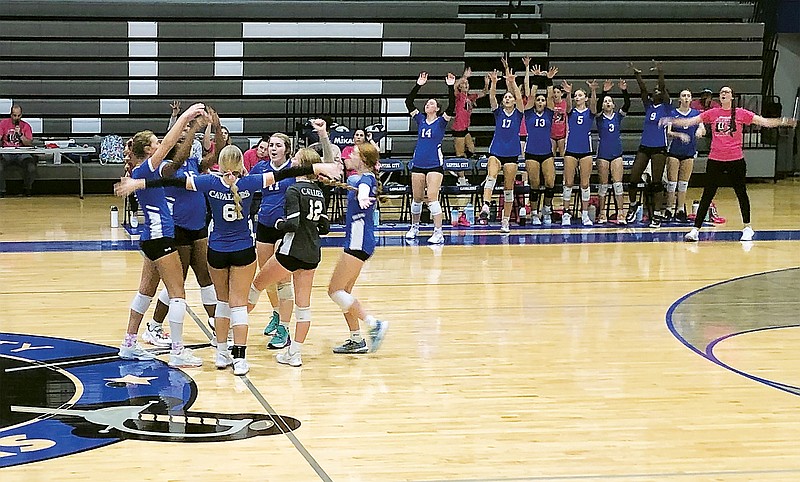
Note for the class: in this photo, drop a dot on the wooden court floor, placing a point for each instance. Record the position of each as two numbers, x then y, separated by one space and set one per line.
502 362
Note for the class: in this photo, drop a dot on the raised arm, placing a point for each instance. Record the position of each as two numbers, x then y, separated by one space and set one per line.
774 121
626 97
607 86
174 134
539 81
637 73
421 80
566 87
449 110
211 158
207 138
551 72
593 96
511 83
493 89
176 109
526 61
662 85
327 149
185 146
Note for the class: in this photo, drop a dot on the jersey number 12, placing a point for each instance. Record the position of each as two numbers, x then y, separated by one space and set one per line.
314 209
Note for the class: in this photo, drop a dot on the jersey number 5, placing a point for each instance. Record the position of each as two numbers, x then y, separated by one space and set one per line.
314 209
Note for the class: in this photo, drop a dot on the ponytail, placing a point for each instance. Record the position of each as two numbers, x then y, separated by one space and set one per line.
237 198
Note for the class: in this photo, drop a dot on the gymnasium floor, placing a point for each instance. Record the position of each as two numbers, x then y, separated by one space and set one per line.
607 355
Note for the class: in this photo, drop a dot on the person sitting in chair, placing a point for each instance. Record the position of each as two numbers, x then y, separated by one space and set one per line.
16 132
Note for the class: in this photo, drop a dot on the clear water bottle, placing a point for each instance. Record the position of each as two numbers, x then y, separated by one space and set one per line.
469 210
523 216
376 217
639 213
114 217
592 212
695 207
454 217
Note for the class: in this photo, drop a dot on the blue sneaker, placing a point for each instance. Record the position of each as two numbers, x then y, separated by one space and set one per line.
351 346
377 334
272 326
280 340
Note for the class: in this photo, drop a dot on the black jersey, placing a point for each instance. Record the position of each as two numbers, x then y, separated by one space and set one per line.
304 221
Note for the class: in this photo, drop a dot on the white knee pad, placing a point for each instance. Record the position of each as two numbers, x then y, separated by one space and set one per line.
344 299
683 186
490 182
302 314
208 295
618 188
508 195
141 303
672 186
285 291
416 208
223 310
252 298
602 190
177 310
435 207
163 296
586 194
566 194
238 316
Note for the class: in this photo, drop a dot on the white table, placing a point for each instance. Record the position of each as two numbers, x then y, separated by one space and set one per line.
56 152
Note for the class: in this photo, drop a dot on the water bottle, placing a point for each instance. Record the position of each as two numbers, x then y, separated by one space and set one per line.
592 212
454 217
639 213
522 216
469 210
376 217
695 207
114 217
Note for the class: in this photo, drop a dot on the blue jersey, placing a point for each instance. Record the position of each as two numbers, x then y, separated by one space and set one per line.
273 196
652 134
539 126
229 234
157 217
579 131
360 227
505 142
608 132
677 147
428 151
188 208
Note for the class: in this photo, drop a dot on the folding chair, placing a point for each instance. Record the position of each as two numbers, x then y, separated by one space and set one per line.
395 169
458 164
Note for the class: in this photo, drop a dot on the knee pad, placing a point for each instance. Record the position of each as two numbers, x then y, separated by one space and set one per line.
238 316
672 186
586 194
435 208
618 188
223 310
302 315
344 299
177 310
163 296
549 193
141 303
566 194
489 183
416 208
252 298
508 195
208 295
683 186
602 190
285 291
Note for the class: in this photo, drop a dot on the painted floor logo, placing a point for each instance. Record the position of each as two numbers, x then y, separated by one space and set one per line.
61 397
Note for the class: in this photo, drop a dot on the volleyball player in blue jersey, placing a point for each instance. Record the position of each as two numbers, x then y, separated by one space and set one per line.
681 154
359 245
505 149
579 150
538 150
653 147
609 149
269 213
427 171
157 242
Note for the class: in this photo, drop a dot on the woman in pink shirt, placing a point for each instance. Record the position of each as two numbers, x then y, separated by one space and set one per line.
256 154
558 132
726 157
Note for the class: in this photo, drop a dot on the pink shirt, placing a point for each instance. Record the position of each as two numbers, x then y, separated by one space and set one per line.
724 146
523 127
250 158
464 105
10 136
559 129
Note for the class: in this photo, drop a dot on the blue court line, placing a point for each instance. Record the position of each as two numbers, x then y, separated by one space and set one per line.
453 237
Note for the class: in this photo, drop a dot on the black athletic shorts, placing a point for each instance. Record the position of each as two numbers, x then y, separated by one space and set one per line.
358 253
157 248
265 234
578 155
426 170
293 264
506 159
461 133
538 157
222 260
187 237
650 151
680 158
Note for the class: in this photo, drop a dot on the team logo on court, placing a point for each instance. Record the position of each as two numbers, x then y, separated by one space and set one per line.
59 397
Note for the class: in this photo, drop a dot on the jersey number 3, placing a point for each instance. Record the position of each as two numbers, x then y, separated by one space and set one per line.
314 209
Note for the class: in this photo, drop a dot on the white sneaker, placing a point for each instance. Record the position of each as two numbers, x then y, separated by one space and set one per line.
747 234
184 359
547 219
504 227
536 220
241 367
486 209
155 335
566 219
586 220
285 358
437 238
222 360
134 221
693 235
135 352
412 232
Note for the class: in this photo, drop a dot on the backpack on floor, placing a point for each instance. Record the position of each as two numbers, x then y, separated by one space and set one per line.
112 150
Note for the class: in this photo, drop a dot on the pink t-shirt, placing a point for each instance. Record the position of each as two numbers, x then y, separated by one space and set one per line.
523 127
250 158
724 146
464 105
10 136
559 129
